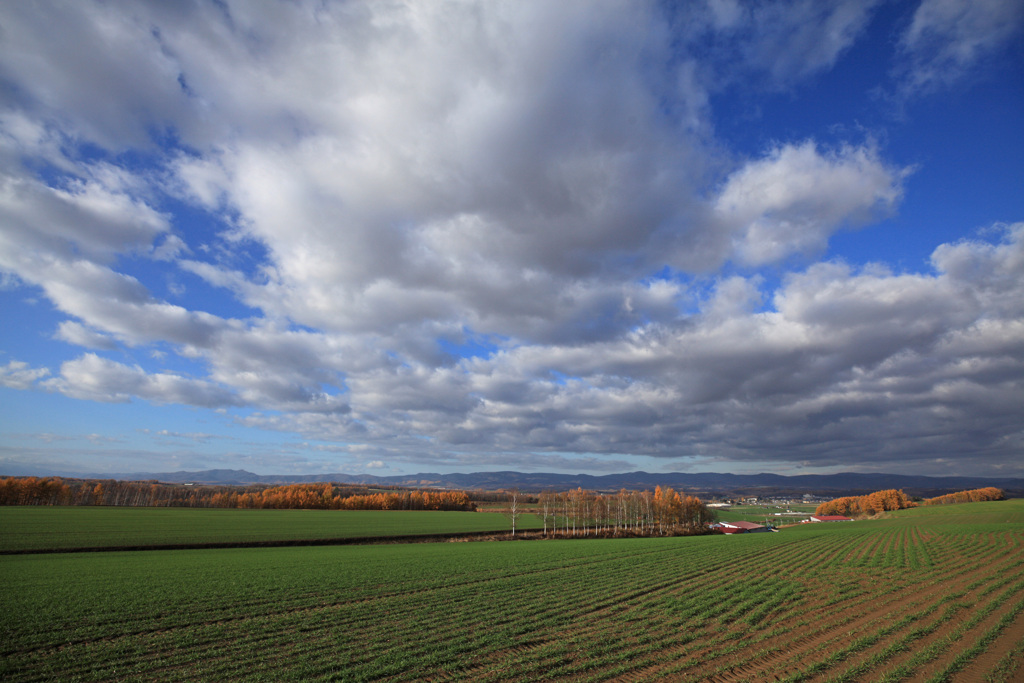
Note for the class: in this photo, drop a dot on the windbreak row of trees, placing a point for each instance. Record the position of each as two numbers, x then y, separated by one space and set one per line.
642 513
324 497
57 491
872 503
972 496
891 499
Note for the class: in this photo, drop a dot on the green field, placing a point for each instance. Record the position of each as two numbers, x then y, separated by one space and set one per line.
35 528
930 595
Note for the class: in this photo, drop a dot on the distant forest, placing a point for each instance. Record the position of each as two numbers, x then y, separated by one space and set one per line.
58 491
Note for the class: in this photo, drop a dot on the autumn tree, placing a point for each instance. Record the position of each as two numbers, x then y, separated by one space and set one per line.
971 496
870 504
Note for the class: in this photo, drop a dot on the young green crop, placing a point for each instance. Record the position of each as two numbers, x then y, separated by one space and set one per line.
44 528
791 605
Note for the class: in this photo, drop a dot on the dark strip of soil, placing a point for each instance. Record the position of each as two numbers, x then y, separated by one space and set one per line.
358 540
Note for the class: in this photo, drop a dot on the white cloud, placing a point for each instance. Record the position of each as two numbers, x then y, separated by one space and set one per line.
97 68
844 363
453 157
170 249
948 38
80 335
868 363
796 197
448 168
757 46
93 217
198 437
793 40
119 305
98 379
18 375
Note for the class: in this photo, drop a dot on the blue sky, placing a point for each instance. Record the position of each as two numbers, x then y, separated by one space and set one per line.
306 237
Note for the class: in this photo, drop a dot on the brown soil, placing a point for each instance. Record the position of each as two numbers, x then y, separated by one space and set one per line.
831 629
1011 637
966 641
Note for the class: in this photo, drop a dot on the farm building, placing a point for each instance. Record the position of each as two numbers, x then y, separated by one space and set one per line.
741 528
830 518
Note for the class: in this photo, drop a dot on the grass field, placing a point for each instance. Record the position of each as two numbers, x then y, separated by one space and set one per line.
924 595
34 528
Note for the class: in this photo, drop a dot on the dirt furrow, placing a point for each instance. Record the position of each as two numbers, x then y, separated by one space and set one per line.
737 635
967 638
985 664
796 650
945 589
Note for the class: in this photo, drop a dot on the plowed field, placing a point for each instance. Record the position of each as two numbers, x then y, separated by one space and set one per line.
926 595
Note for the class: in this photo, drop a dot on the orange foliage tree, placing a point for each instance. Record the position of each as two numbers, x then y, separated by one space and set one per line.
55 491
872 503
638 513
972 496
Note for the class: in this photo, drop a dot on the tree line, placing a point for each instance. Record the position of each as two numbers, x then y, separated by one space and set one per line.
635 513
972 496
325 497
891 499
872 503
329 496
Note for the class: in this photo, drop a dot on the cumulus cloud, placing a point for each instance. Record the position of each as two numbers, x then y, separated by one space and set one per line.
380 182
796 197
98 379
80 335
120 305
862 362
454 157
91 217
18 375
452 170
97 68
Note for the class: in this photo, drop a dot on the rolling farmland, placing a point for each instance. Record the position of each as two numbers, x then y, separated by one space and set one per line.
925 595
760 513
38 528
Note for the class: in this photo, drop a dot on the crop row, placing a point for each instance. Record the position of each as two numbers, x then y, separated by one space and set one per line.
862 601
52 528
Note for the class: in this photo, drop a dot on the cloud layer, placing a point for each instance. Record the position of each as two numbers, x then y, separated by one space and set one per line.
494 230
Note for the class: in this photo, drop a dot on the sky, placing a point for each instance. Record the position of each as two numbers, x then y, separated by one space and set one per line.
584 237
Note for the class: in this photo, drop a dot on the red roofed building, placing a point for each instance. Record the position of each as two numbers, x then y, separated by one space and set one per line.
830 518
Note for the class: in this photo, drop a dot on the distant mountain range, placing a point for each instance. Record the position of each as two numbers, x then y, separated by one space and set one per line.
705 482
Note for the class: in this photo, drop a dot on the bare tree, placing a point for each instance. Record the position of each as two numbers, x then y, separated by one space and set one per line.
514 508
547 501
